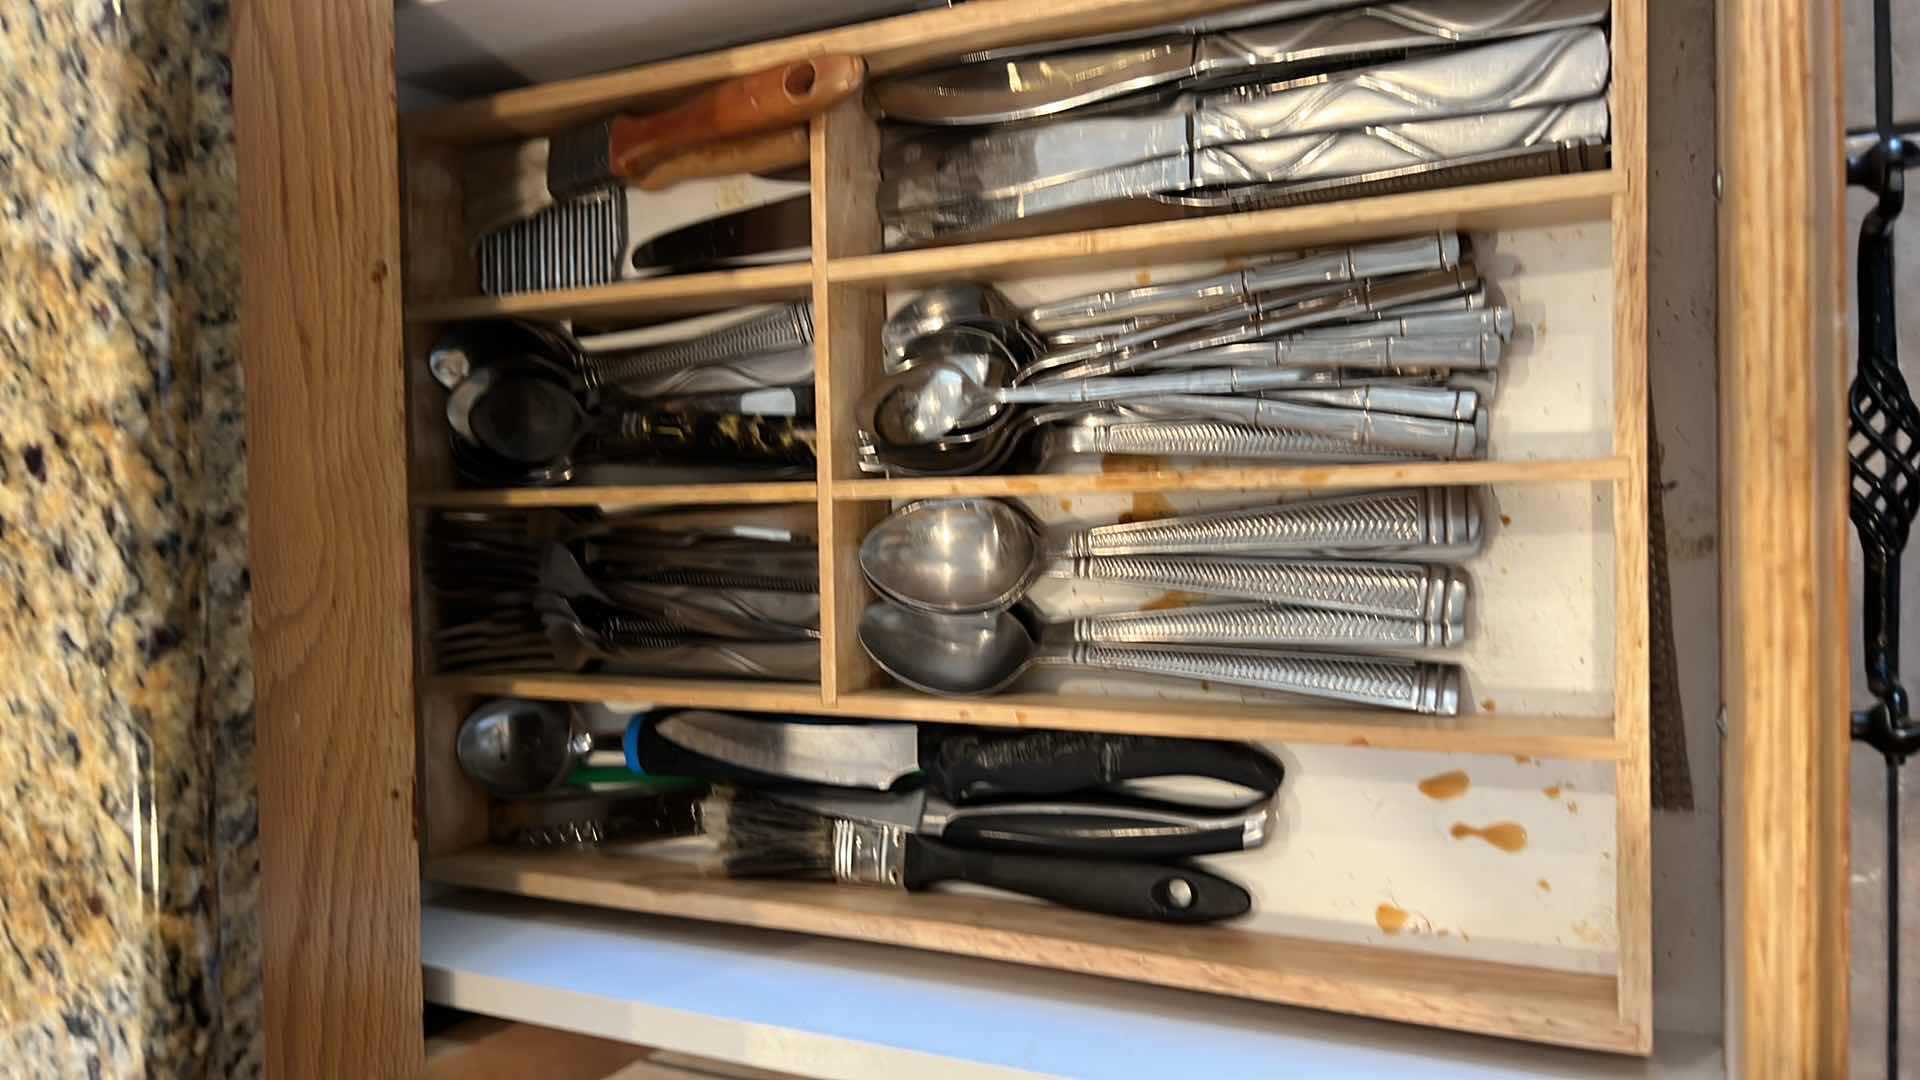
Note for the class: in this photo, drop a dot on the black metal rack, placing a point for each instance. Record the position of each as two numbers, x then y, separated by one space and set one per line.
1884 449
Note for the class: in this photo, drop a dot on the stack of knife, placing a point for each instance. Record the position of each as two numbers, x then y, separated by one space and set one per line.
695 594
1270 105
1100 822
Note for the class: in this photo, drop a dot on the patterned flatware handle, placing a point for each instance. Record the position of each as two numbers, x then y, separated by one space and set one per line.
1381 681
1268 625
789 326
1400 590
1214 439
1431 524
716 437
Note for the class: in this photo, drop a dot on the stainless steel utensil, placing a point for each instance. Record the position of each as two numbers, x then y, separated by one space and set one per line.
974 655
1006 90
785 328
1268 625
1480 352
514 748
1431 594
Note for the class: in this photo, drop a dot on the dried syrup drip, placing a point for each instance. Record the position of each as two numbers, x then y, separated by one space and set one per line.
1507 836
1168 600
1391 919
1131 463
1447 785
1148 506
1551 792
1545 885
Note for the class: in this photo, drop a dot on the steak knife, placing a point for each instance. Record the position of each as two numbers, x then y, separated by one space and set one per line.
960 769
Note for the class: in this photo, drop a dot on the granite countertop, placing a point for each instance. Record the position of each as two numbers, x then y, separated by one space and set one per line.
127 859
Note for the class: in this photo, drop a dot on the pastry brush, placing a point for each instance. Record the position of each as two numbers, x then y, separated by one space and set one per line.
507 184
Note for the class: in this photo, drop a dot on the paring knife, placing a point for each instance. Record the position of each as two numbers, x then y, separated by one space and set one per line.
1108 828
1000 91
960 769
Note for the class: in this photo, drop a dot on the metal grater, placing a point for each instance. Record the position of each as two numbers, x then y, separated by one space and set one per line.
571 245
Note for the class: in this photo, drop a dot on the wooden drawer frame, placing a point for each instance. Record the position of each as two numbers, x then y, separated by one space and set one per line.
323 239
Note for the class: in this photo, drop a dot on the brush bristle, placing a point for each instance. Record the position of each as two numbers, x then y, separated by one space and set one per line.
505 184
581 161
755 836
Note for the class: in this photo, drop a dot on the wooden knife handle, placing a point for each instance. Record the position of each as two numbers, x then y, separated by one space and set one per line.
773 150
775 98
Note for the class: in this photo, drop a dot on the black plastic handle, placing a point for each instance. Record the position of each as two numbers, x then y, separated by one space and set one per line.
971 768
1132 890
1143 830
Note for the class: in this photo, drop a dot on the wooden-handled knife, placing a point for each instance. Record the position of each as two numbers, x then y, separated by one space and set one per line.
507 184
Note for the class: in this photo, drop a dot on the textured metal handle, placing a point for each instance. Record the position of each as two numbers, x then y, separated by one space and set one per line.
1430 252
1381 352
1385 682
1362 430
1268 624
1496 320
1401 590
1212 439
1540 69
1431 524
1224 381
788 327
1411 24
1406 400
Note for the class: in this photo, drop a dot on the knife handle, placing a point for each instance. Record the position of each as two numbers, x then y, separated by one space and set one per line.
778 97
1141 829
970 768
766 152
719 437
1132 890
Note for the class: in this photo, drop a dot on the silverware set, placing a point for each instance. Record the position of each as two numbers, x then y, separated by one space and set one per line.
530 405
543 591
1375 352
1305 597
1232 113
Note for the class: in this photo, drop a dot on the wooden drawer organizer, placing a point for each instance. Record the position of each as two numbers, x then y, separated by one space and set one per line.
1608 1009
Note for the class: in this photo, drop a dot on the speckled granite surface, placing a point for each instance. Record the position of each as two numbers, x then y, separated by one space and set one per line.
127 819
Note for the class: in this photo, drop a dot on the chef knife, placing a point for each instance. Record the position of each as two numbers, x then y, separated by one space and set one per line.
963 768
781 229
1043 85
1106 828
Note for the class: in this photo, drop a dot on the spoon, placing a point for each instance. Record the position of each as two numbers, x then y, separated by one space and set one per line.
961 555
980 654
956 303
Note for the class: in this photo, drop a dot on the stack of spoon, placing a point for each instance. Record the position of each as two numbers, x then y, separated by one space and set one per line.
1312 597
1381 351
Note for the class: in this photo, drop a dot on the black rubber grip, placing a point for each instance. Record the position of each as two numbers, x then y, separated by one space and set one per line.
1133 890
971 768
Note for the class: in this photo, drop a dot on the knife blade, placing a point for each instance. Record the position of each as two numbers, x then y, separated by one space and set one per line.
962 768
1108 828
781 229
1326 161
1043 85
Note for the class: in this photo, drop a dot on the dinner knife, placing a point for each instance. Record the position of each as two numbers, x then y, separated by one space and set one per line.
1001 91
1106 828
960 769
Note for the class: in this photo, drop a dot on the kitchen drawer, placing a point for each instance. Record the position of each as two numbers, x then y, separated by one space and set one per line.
349 461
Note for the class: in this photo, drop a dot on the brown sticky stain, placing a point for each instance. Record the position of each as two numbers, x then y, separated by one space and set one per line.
1489 705
1588 933
1506 519
1144 277
1522 759
1507 836
1235 262
1066 504
1131 463
1168 600
1572 807
1464 936
1545 885
1446 785
1148 506
1551 792
1390 918
1359 740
